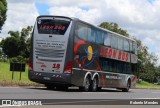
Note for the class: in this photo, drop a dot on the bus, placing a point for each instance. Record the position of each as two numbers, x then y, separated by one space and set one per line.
69 52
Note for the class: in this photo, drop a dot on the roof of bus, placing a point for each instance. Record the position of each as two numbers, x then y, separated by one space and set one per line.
77 19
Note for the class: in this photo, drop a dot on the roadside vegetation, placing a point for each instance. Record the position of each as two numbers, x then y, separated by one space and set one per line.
146 85
6 77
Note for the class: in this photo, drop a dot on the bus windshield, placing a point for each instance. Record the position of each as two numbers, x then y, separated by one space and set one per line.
52 26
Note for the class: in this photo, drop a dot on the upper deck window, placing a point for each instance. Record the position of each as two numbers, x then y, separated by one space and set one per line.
107 39
114 43
52 26
126 45
82 31
99 37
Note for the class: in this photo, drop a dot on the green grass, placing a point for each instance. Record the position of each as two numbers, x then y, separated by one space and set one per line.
147 85
6 76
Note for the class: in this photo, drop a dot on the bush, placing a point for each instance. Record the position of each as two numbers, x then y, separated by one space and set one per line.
18 59
3 59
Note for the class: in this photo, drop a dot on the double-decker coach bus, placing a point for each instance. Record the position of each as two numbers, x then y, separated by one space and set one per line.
69 52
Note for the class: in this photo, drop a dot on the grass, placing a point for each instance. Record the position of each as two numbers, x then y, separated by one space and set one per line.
147 85
6 77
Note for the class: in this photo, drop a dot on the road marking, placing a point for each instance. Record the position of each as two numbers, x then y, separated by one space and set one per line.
156 92
148 98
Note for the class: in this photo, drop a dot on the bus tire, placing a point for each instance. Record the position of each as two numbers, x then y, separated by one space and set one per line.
128 86
62 88
87 85
94 85
99 88
49 86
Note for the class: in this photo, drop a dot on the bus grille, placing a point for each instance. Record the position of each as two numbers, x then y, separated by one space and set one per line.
50 55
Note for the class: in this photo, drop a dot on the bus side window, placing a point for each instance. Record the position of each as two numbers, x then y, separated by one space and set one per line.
107 39
126 45
119 66
131 47
134 48
99 37
114 42
91 35
82 32
114 66
120 43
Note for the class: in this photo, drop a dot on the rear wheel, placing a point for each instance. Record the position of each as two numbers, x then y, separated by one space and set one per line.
49 86
94 85
62 88
87 85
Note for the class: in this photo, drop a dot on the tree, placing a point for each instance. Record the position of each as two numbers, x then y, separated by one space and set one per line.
3 11
17 44
113 27
26 38
11 47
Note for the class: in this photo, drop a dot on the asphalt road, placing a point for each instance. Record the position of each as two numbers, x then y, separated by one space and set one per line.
74 97
74 93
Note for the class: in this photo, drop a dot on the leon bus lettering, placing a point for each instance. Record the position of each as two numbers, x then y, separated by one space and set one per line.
50 27
112 53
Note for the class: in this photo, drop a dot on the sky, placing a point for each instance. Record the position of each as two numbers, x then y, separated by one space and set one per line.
141 18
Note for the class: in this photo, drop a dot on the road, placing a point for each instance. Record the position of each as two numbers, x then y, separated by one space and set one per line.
74 93
113 96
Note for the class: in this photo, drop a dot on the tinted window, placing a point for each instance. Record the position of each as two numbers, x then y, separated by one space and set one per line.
89 34
93 35
134 48
120 44
99 37
82 31
107 39
119 67
114 42
126 45
52 26
131 47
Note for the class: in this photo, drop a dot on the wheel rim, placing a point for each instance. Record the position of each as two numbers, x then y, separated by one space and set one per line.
87 84
94 84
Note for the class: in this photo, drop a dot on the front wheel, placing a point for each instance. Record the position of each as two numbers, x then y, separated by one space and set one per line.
127 88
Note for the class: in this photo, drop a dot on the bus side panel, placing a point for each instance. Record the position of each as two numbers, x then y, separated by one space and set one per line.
86 60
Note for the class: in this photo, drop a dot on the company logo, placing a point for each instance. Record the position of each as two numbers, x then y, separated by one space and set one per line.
20 102
90 53
6 103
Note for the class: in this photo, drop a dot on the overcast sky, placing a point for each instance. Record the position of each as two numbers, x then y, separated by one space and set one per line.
141 18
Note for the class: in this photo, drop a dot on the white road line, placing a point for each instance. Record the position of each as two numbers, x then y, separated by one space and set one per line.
148 98
156 92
